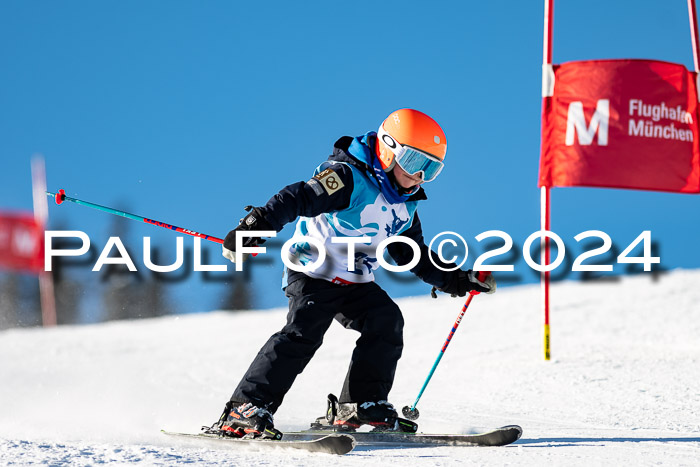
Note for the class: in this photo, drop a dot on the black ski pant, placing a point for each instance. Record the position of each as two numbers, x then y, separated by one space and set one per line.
313 305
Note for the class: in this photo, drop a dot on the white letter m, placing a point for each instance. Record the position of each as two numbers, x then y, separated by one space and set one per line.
576 122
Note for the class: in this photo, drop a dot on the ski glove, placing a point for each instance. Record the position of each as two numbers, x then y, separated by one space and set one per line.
253 221
466 281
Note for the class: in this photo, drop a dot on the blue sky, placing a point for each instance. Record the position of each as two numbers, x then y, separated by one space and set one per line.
187 111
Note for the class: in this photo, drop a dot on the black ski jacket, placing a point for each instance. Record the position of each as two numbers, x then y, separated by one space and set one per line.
309 200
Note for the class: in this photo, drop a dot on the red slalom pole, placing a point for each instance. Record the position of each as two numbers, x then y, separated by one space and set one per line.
693 17
60 197
412 413
545 192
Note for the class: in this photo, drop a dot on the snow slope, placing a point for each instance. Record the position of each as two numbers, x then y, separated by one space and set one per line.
622 388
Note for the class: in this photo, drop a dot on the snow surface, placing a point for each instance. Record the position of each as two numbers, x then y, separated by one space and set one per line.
622 388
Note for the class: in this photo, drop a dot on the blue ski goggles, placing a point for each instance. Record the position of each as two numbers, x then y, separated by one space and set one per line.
412 160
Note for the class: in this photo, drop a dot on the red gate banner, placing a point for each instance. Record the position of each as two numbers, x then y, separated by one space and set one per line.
21 242
622 124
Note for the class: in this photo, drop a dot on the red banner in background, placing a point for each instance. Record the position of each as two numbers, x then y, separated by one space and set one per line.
622 124
21 242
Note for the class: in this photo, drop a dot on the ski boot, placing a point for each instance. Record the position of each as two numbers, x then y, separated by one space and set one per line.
245 420
349 416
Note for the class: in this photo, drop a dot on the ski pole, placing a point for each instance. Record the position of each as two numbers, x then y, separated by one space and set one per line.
60 197
412 413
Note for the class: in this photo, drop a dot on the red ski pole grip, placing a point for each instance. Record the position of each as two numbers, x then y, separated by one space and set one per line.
60 196
481 275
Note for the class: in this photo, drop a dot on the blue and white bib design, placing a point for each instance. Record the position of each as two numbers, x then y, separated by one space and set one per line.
368 215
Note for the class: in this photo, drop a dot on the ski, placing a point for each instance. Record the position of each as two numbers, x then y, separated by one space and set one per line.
404 432
497 437
335 443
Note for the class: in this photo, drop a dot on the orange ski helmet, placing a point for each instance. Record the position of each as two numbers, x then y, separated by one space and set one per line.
411 129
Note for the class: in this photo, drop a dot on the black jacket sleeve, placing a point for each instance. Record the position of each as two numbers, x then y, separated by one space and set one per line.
328 191
425 269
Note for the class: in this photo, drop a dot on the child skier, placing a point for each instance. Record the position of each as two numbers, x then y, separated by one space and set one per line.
369 187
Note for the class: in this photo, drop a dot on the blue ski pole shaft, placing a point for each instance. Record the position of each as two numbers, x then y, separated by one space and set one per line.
60 197
481 276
